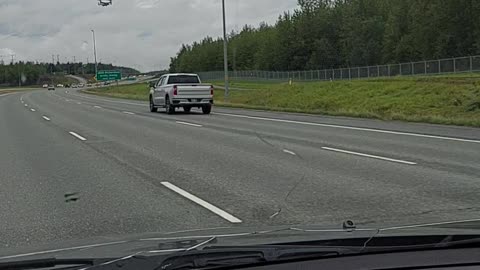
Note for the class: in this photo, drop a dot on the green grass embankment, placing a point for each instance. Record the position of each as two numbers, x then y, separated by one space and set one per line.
451 99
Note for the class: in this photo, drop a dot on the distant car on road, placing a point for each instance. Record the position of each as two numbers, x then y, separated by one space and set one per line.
51 87
180 90
81 85
74 86
59 85
45 86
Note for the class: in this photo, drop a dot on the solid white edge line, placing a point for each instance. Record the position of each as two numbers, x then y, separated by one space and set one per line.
77 136
202 203
188 124
369 156
33 110
351 128
289 152
61 249
46 118
130 113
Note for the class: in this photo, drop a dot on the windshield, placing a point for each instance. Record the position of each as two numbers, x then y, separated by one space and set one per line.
296 114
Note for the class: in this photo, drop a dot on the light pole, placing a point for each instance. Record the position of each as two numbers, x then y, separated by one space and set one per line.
225 51
95 52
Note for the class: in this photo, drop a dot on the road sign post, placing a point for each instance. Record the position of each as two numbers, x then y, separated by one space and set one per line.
108 75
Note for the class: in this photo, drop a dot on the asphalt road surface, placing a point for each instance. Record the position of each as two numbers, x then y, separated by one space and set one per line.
77 166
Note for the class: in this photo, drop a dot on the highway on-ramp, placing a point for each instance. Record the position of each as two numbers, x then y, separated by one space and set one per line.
77 166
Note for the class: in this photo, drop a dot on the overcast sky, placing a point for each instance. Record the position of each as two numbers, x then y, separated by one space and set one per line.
143 34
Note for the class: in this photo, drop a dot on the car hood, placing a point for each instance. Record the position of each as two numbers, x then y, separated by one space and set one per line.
116 247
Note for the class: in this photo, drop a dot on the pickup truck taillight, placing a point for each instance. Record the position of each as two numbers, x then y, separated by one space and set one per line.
211 90
175 90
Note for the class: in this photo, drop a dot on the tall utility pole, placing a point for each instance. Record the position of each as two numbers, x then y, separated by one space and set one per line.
58 58
74 65
13 57
225 51
95 52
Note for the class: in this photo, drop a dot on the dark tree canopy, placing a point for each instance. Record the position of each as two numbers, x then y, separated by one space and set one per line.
341 33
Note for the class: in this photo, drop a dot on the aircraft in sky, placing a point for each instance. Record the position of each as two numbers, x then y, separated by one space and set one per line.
104 3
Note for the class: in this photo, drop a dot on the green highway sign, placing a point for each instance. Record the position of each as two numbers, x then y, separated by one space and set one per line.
108 75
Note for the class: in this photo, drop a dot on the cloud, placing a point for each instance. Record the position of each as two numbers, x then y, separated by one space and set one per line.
147 3
141 33
84 46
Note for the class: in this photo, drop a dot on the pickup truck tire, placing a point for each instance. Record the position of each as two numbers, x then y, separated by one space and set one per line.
168 106
152 106
187 109
206 109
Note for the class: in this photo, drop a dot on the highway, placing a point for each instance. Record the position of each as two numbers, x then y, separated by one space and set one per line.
76 166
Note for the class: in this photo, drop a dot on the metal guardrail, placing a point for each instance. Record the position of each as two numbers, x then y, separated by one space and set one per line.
429 67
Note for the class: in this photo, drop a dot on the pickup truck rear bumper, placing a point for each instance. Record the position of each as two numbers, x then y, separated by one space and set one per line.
191 102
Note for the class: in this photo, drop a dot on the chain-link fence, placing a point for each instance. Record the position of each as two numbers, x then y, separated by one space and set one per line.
430 67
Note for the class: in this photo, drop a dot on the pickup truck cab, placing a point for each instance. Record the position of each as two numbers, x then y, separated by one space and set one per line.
173 91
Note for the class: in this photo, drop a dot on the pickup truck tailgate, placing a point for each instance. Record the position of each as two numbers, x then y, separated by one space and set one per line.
193 91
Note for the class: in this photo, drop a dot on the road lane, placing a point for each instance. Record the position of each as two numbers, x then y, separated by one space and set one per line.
443 154
244 170
41 163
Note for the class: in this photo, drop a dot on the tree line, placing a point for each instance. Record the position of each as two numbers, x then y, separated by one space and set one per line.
31 73
323 34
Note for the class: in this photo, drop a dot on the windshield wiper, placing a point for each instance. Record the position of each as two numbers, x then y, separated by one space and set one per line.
226 256
47 263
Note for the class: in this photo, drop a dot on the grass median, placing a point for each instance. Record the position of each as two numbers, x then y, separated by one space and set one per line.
451 100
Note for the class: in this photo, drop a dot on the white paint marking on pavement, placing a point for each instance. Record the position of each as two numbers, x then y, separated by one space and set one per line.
98 107
351 128
202 203
188 124
22 101
26 105
77 136
46 118
67 100
79 103
369 156
130 113
289 152
62 249
33 110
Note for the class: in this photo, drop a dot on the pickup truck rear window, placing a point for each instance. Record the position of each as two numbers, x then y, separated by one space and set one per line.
183 79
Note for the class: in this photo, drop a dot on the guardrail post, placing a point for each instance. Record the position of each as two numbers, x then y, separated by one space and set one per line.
425 64
401 73
349 73
439 66
471 63
412 71
388 70
326 79
378 71
454 65
333 74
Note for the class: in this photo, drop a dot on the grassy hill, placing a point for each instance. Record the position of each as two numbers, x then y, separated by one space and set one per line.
451 99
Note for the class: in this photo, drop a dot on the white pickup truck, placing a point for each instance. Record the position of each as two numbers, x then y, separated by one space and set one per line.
173 91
